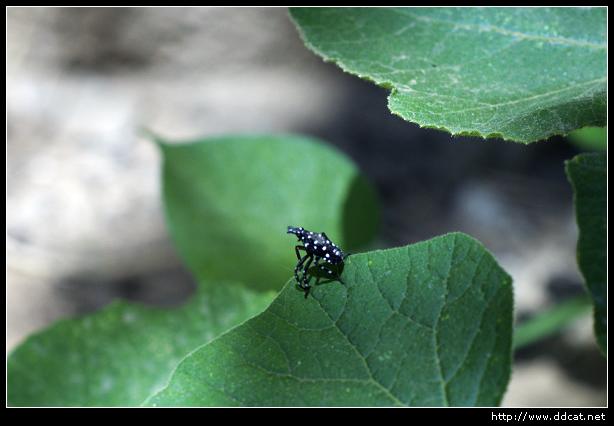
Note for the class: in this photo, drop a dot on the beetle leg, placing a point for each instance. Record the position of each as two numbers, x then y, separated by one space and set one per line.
327 270
298 267
305 270
307 279
331 273
319 267
296 250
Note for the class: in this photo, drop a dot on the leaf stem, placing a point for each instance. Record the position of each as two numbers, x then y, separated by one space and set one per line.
550 321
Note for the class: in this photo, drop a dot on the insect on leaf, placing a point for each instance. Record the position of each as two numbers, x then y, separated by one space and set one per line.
228 202
429 324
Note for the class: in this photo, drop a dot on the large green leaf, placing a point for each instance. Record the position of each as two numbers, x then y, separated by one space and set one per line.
518 73
587 174
426 324
120 355
229 201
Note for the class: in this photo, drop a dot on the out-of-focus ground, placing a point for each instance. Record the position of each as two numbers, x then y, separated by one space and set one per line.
84 221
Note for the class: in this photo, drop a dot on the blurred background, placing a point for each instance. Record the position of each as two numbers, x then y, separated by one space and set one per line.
84 220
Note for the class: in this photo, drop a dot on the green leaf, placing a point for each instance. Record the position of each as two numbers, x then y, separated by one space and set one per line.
229 201
122 354
587 174
522 74
590 138
550 322
426 324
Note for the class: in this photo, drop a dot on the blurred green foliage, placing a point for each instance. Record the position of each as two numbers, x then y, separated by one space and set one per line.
590 138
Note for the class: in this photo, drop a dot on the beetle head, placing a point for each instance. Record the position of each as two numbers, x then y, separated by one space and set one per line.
298 231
